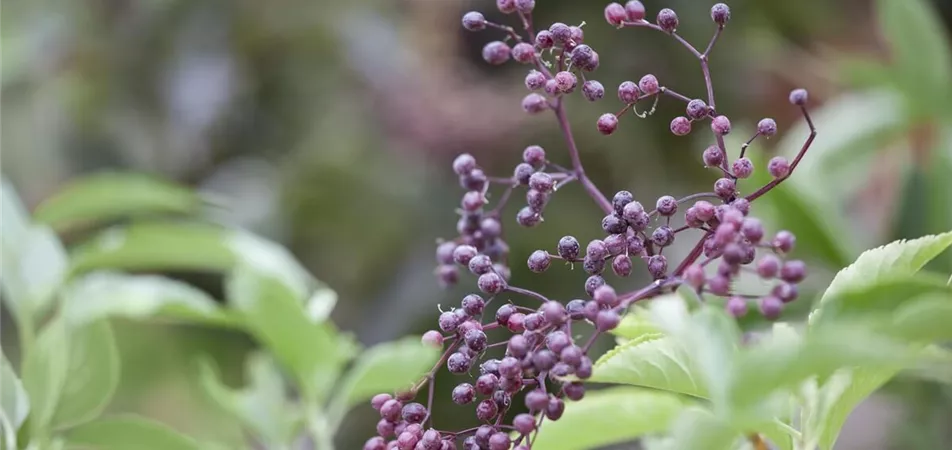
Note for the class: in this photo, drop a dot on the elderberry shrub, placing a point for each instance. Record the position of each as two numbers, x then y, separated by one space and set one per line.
540 348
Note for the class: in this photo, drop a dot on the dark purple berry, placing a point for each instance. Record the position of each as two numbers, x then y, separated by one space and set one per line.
534 155
771 307
582 54
464 164
704 209
635 10
491 283
560 32
524 423
536 400
778 167
696 109
713 156
480 264
568 248
680 126
458 363
516 322
506 6
593 266
528 218
378 400
720 14
539 261
616 243
621 199
767 127
667 205
628 92
543 360
606 320
509 367
496 52
486 384
534 103
449 322
476 340
385 428
635 245
555 408
490 227
574 391
621 265
475 180
667 20
786 292
504 313
657 266
799 97
719 285
615 14
481 437
591 64
591 310
736 306
612 224
522 173
607 123
725 188
534 321
474 21
575 309
596 249
473 304
463 394
375 443
567 81
632 210
648 84
577 35
584 369
592 283
784 241
752 229
572 355
541 181
593 91
518 346
734 253
662 236
525 6
433 339
793 271
721 125
742 168
463 254
535 80
605 296
500 441
414 413
544 40
444 252
694 276
523 53
554 312
486 410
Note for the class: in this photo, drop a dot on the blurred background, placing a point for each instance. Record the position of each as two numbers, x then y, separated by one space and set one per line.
330 127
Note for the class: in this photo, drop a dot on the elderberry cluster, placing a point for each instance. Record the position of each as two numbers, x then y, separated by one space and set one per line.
543 364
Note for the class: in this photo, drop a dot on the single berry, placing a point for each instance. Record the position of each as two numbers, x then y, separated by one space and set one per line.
606 320
544 40
581 54
486 410
752 230
378 400
694 276
474 181
476 340
491 283
458 362
662 236
385 428
433 339
524 423
464 164
534 103
667 20
720 14
541 181
596 249
667 205
592 283
527 217
572 355
539 261
568 248
742 168
613 224
799 97
490 227
390 410
713 156
474 21
721 125
635 10
719 285
553 312
632 211
784 241
778 167
480 264
591 64
593 266
522 173
487 383
793 271
736 306
525 6
516 322
615 14
771 307
543 360
561 32
742 205
767 127
607 123
605 296
591 310
552 87
496 52
567 81
696 109
636 245
584 369
616 243
557 341
535 80
523 53
503 313
449 321
680 126
577 35
534 155
473 305
657 266
463 394
500 440
725 188
593 91
621 199
786 292
506 6
648 84
463 254
444 252
536 400
575 310
375 443
705 210
628 92
414 412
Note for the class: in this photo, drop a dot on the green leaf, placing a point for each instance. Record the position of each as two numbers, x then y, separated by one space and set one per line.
45 371
385 367
13 399
93 375
129 432
880 297
156 246
893 260
920 52
109 196
864 73
321 303
107 294
262 405
698 428
925 320
651 360
610 416
275 315
636 323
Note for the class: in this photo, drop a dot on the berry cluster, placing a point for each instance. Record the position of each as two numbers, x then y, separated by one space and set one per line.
541 352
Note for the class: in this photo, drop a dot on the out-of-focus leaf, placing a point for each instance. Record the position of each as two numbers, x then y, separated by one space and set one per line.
883 296
269 258
939 209
698 428
262 405
129 432
321 303
93 374
924 320
104 294
635 324
13 399
275 315
651 360
864 73
610 416
45 371
108 196
386 367
156 246
920 51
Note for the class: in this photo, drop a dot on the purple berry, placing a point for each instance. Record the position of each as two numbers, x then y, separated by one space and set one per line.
607 123
534 103
720 14
584 369
799 97
463 394
375 443
476 340
696 109
575 309
491 283
786 292
504 313
516 322
496 52
606 320
555 408
448 322
473 305
523 53
593 266
635 10
621 199
648 84
615 14
725 188
705 210
632 211
541 181
719 285
526 217
535 80
463 254
544 40
767 127
561 32
543 360
605 296
593 91
480 264
486 410
771 307
713 156
680 126
486 384
596 249
667 205
793 271
694 276
566 81
657 266
534 155
524 423
385 428
742 168
506 6
474 181
536 400
433 339
592 283
736 306
554 312
464 164
474 21
568 248
662 236
500 440
616 243
667 20
378 400
612 224
444 252
390 410
628 92
534 321
784 241
778 167
622 265
525 6
721 125
635 245
414 412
